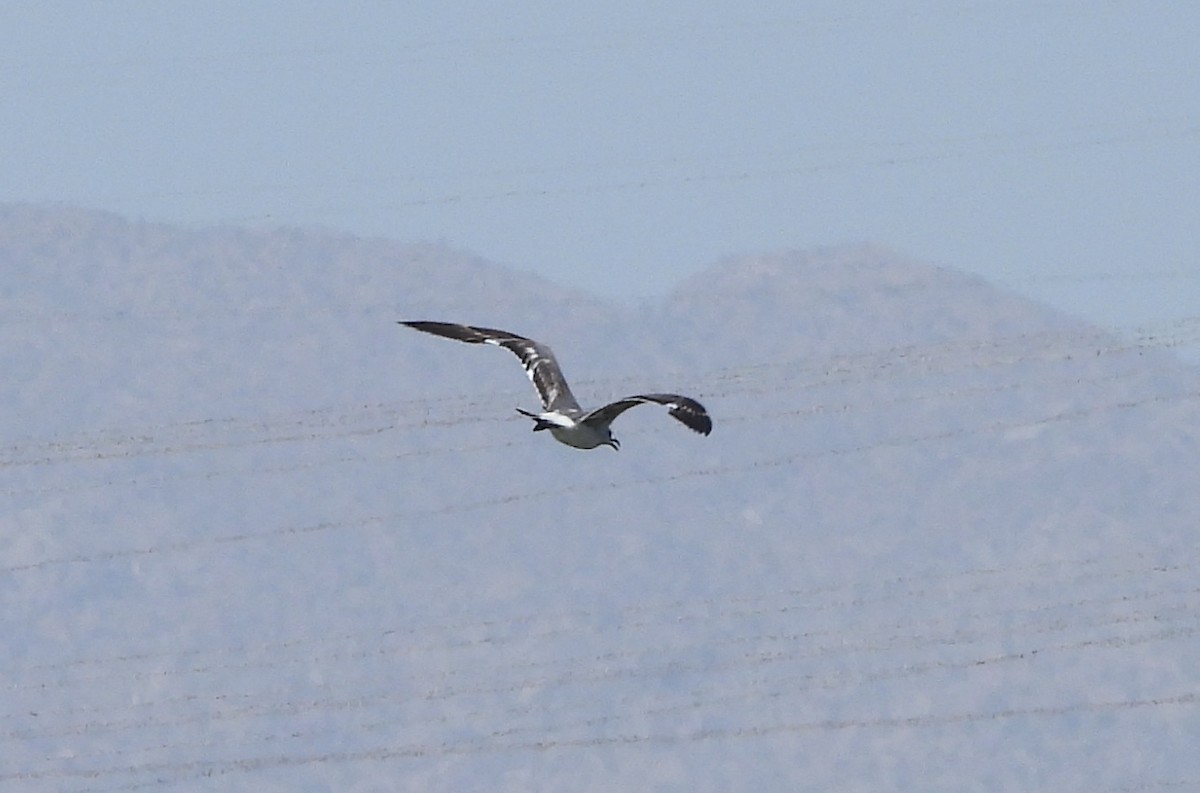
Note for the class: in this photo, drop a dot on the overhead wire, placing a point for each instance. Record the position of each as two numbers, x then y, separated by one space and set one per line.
1166 614
640 617
317 424
463 506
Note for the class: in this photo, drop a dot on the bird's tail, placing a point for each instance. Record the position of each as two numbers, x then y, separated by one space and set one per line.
538 422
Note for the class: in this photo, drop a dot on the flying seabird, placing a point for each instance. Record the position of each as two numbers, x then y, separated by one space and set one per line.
561 414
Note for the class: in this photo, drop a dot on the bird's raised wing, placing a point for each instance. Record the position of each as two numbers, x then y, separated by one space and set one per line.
537 359
684 409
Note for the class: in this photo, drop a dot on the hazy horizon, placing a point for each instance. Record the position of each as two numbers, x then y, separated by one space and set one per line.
1048 146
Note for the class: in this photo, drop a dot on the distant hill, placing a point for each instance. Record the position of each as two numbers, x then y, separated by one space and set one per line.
258 535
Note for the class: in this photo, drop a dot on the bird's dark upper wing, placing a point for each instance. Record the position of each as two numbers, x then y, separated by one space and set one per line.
537 359
684 409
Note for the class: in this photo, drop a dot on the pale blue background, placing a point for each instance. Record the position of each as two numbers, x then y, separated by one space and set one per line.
617 147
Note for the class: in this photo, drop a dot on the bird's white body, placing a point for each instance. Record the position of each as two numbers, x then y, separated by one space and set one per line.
570 427
581 436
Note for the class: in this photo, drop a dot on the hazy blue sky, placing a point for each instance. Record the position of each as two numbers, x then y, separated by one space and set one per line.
620 146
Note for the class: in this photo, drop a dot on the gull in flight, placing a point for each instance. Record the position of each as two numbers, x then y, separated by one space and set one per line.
561 414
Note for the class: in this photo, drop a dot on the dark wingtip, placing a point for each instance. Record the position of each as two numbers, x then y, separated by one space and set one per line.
692 415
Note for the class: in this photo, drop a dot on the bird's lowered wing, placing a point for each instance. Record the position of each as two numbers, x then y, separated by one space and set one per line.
686 410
